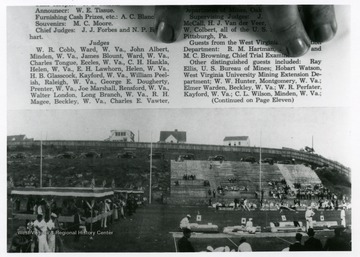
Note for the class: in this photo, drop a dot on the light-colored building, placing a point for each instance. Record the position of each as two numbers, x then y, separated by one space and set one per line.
172 136
121 136
18 138
237 141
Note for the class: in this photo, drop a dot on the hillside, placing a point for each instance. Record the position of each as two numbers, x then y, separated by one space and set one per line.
24 167
127 172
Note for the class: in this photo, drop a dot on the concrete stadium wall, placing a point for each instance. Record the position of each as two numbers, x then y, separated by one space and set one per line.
201 151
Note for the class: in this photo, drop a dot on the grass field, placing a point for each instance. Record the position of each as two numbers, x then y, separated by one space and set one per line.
148 230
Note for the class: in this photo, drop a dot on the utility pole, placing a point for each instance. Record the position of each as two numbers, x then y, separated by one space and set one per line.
260 170
41 159
312 142
150 168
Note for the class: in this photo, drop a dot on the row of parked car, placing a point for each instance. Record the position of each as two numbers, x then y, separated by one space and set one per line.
90 154
155 155
65 155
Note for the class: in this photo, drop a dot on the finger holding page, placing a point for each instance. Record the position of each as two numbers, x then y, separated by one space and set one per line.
320 22
168 22
288 28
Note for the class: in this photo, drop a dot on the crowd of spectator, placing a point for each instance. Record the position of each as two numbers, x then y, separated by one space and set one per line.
309 192
237 204
206 183
189 177
233 180
321 196
280 194
221 190
121 206
235 188
279 189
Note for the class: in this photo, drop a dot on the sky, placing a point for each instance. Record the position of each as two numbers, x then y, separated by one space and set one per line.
277 127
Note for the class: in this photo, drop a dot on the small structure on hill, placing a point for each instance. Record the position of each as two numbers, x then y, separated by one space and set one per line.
121 136
18 138
237 141
173 136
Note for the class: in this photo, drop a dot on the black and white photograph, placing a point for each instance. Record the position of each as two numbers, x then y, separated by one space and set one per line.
179 128
147 177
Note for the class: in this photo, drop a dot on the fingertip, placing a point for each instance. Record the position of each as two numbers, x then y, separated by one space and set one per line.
323 32
165 33
320 22
297 47
168 22
288 29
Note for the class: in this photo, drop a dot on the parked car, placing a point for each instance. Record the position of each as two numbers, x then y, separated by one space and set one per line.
216 158
127 155
66 155
309 149
156 155
91 154
285 162
268 160
187 156
18 156
249 159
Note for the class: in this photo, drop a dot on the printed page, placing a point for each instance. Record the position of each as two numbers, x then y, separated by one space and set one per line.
107 57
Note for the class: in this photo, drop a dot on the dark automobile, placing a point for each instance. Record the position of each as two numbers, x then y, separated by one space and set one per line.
309 149
188 156
127 155
66 155
216 158
156 155
268 160
91 154
249 159
285 162
18 156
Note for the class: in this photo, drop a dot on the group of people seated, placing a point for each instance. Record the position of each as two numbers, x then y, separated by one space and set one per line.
269 204
235 188
282 191
279 189
309 192
206 183
189 177
232 180
220 190
237 204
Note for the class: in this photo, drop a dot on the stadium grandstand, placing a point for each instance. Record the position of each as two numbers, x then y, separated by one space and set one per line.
223 185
